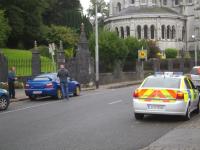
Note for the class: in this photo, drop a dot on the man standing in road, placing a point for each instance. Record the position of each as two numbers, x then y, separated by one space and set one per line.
63 75
11 82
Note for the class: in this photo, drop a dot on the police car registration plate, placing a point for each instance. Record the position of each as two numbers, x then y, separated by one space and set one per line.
155 107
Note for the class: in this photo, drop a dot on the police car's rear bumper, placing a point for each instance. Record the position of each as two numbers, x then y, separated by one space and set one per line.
174 108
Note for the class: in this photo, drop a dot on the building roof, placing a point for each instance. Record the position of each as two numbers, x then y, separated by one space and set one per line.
155 10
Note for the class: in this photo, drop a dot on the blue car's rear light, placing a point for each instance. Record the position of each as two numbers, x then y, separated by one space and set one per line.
49 85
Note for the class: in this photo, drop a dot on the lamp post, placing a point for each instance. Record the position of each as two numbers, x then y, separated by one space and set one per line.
195 51
96 47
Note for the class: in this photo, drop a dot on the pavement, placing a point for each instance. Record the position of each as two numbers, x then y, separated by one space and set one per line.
185 136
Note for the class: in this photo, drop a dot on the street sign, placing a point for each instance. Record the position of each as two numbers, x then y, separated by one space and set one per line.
142 54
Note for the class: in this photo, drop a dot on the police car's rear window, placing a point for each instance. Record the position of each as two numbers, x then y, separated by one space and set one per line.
195 71
162 82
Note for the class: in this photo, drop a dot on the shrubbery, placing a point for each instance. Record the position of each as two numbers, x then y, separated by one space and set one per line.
171 52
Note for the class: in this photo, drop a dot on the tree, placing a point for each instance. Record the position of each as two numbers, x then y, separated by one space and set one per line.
112 49
25 20
4 29
60 33
153 49
102 9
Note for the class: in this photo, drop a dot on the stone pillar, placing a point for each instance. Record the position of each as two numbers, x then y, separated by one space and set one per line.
156 65
170 65
192 63
117 73
181 65
60 55
3 68
36 62
139 70
84 74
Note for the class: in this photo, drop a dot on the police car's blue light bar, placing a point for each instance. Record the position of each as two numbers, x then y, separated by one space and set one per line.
169 73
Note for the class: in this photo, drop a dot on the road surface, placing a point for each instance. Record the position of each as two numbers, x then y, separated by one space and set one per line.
96 120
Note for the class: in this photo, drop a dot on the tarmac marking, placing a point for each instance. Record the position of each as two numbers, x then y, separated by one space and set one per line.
115 102
25 108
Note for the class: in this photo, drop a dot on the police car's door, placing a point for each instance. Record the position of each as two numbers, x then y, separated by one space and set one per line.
190 92
196 93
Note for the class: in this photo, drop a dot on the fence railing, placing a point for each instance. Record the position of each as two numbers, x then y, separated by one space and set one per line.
24 66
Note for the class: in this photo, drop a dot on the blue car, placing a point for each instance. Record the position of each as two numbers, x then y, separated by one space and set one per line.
49 85
4 99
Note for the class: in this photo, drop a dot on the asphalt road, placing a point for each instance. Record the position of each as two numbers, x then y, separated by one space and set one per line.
96 120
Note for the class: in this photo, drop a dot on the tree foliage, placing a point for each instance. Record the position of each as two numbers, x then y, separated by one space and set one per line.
60 33
4 29
112 49
30 20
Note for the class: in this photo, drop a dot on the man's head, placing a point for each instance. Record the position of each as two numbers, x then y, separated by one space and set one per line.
13 68
62 66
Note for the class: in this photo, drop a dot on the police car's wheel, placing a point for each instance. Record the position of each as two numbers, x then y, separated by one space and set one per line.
139 116
4 102
188 114
197 110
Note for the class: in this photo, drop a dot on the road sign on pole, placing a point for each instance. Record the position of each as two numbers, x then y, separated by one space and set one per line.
142 54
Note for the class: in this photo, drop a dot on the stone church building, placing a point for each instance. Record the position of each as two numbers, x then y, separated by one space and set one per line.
172 23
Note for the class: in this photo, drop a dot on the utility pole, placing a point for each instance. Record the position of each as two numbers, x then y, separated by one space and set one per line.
195 49
96 47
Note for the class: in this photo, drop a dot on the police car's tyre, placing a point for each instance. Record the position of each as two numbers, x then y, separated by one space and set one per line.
4 102
188 114
139 116
197 110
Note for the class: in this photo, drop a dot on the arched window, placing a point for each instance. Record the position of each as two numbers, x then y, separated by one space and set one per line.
164 2
146 32
139 32
128 31
152 32
119 7
168 32
132 1
154 2
117 31
173 32
183 34
163 31
122 32
176 2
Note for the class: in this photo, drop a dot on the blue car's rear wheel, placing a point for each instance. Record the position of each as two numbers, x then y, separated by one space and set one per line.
4 102
59 94
77 91
32 97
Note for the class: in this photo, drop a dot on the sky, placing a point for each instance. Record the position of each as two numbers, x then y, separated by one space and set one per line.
86 3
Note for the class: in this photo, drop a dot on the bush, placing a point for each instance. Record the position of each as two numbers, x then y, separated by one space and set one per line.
171 53
112 49
18 85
